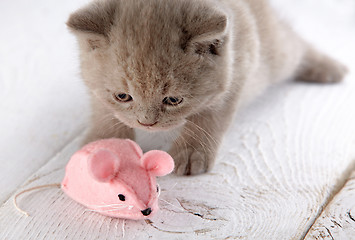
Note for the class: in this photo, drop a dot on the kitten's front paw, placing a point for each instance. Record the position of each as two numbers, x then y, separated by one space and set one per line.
190 161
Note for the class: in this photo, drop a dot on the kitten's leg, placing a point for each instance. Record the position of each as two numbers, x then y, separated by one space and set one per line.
105 125
195 150
318 67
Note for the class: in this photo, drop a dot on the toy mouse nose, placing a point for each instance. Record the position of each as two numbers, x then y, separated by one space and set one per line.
147 211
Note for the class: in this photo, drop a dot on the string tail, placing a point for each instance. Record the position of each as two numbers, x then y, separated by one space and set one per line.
123 228
58 185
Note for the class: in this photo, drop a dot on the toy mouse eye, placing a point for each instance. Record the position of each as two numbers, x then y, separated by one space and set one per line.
157 188
121 197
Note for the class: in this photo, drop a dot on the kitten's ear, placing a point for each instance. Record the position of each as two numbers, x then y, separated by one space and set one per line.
94 22
205 31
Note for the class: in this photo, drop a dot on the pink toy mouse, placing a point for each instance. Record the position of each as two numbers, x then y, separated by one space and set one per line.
115 178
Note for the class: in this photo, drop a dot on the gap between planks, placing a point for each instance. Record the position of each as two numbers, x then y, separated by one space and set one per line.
334 192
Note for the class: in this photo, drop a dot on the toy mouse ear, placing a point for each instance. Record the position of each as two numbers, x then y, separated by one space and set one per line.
103 165
158 162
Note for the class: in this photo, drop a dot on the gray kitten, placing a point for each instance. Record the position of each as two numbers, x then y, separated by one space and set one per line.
159 64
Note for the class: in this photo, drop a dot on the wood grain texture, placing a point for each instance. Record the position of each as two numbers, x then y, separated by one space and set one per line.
337 221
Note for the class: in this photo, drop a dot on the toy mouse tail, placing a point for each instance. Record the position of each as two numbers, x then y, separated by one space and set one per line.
58 185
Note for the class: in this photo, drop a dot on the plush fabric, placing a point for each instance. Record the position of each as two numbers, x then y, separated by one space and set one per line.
114 177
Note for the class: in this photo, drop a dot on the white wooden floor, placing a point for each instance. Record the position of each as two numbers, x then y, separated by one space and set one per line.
285 171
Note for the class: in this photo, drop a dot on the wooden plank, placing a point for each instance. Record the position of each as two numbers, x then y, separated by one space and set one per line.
337 221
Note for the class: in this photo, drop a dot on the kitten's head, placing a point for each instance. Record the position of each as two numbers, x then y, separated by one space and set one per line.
154 63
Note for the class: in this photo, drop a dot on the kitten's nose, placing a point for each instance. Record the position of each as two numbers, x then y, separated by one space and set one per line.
147 211
147 124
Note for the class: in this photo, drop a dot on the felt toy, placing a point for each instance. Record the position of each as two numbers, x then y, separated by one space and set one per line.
114 177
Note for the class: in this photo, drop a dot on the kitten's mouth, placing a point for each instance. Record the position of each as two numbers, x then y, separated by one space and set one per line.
155 127
147 124
151 127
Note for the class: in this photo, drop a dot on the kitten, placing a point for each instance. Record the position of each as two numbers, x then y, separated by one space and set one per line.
159 64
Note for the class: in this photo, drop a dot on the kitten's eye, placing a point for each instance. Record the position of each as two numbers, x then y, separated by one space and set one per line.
122 97
121 197
172 101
